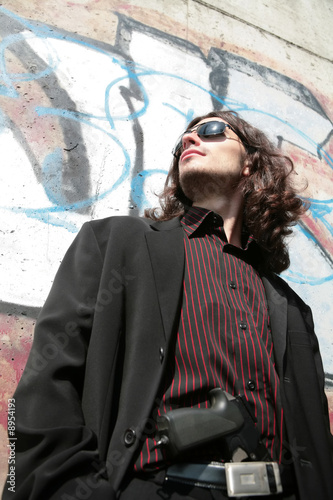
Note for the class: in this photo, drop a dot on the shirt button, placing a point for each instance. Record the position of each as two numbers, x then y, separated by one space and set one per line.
232 285
129 437
251 385
217 220
243 326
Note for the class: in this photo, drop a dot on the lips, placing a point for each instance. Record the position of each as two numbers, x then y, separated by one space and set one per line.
190 152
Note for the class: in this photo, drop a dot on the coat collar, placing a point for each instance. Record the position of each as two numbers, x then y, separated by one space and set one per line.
165 225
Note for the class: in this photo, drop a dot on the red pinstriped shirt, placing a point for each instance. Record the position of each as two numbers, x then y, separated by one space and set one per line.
223 339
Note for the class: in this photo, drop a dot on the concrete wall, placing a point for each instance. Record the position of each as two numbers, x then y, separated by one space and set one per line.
93 94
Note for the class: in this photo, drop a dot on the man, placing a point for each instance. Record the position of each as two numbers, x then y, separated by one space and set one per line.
150 319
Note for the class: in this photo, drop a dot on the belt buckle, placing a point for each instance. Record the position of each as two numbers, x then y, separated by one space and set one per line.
252 478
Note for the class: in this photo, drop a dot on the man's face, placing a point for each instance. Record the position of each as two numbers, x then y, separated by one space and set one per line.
211 164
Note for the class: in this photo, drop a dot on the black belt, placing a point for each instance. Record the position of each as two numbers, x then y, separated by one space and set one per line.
236 478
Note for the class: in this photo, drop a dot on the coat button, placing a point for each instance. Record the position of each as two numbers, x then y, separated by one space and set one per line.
161 354
129 437
251 385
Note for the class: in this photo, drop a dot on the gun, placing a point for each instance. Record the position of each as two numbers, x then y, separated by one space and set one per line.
184 429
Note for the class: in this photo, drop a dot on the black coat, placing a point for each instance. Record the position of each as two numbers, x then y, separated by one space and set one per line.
97 362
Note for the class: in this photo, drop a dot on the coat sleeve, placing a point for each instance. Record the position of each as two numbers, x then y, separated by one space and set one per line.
56 453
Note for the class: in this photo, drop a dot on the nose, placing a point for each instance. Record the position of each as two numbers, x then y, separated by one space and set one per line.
190 138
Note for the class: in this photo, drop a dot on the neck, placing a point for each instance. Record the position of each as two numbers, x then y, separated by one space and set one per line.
231 211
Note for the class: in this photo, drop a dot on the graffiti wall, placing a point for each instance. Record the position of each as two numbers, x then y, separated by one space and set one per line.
86 131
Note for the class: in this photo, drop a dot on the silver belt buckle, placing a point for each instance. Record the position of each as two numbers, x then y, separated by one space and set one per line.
252 478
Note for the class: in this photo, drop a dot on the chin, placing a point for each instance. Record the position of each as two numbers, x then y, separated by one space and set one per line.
198 185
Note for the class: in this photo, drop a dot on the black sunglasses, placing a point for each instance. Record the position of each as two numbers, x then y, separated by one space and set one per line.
207 129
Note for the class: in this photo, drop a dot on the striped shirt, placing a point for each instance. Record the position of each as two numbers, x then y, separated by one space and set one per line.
223 339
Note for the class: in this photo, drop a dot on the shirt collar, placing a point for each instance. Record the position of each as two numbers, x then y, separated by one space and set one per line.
197 217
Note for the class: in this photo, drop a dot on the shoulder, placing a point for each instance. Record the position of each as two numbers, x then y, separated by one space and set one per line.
125 223
123 230
120 222
295 302
282 285
114 229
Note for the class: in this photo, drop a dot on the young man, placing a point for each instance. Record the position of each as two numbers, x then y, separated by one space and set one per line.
170 360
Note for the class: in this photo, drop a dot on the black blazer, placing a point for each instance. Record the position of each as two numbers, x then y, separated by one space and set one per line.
97 362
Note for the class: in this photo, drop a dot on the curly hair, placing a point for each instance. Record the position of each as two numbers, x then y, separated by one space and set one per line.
271 203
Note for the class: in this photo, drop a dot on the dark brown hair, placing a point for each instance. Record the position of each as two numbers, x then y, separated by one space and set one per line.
272 205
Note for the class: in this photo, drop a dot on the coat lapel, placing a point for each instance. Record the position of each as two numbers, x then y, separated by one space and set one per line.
277 307
166 250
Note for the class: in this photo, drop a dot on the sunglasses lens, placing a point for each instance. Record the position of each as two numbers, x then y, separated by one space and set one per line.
211 128
208 129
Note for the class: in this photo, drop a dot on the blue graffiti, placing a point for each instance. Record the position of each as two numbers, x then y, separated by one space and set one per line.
137 186
319 210
306 280
134 75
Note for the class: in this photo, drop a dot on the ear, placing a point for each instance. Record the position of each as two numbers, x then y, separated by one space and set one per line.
246 169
